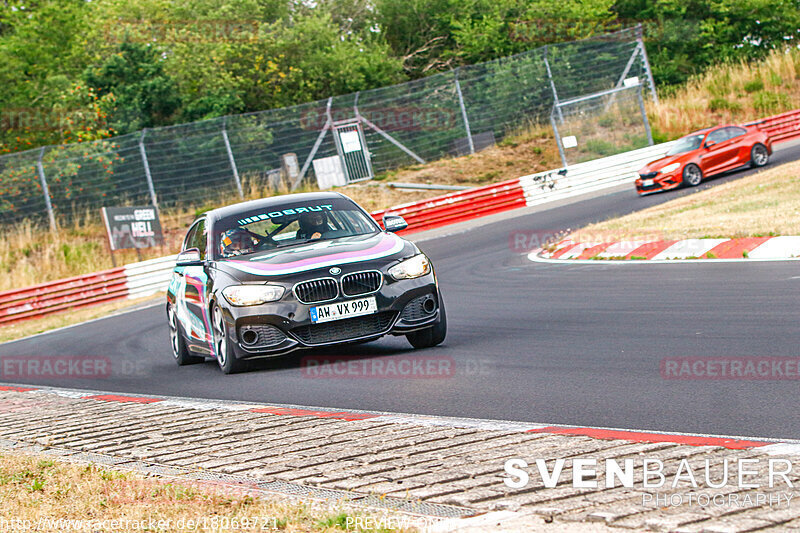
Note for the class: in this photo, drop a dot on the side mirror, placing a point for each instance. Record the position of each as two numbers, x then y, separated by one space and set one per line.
710 144
190 257
394 223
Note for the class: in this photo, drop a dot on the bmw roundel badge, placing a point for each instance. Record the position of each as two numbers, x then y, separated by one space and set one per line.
335 271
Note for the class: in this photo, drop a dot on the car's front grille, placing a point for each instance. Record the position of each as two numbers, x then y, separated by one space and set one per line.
416 309
261 335
361 283
648 176
317 290
348 328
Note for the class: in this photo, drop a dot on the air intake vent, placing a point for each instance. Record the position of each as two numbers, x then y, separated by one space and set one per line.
317 290
360 283
346 329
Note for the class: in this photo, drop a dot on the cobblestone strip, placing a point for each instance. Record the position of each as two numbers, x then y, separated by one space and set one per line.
429 466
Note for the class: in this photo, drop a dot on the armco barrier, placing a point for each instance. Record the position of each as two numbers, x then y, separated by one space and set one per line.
149 277
79 291
589 176
459 206
781 127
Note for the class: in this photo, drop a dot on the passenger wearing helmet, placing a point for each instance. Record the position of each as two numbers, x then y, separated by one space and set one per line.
236 241
313 225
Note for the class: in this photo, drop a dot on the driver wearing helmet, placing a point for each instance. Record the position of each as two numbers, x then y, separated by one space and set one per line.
313 225
236 241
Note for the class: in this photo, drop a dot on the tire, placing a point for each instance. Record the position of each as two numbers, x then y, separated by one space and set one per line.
432 336
178 342
223 346
692 175
759 156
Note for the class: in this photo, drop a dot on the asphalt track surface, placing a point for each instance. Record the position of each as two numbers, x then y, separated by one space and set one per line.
548 343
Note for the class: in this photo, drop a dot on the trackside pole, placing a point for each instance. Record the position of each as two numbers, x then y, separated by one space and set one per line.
46 190
147 174
464 114
230 157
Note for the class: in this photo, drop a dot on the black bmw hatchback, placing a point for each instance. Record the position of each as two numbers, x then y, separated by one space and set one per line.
266 277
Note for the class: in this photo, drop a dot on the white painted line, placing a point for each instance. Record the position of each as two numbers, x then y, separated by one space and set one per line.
788 246
689 248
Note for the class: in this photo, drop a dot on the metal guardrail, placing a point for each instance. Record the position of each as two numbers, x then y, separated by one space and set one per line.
150 277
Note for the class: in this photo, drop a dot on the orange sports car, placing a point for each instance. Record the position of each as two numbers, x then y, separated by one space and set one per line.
704 153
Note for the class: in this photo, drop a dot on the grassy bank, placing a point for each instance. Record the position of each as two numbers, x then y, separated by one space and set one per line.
41 491
762 204
734 92
729 93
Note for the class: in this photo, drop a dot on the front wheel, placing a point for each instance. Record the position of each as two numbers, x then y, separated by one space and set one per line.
432 336
179 350
759 156
223 346
692 175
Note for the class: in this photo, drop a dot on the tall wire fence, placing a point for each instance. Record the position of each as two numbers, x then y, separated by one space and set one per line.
446 114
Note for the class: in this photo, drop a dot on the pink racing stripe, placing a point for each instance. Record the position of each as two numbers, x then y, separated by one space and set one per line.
651 249
734 248
389 244
121 399
339 415
638 436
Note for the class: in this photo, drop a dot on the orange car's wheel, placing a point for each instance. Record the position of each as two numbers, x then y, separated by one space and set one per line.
759 156
692 175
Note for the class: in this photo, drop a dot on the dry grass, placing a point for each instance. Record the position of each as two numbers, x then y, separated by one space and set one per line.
766 203
531 149
736 92
25 328
36 488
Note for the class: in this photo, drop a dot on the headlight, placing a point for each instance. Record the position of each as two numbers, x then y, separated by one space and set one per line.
241 295
417 266
670 168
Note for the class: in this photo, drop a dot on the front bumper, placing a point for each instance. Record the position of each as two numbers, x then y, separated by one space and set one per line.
281 327
656 181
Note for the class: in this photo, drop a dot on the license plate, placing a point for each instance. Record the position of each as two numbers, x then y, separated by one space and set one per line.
348 309
647 183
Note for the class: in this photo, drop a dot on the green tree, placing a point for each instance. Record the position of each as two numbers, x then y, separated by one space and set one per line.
144 95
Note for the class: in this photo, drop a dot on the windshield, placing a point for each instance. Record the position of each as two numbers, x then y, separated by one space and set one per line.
288 225
686 144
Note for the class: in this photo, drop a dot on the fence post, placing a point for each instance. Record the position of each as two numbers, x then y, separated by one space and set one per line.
558 140
644 118
640 38
46 190
464 114
147 170
230 157
325 128
552 86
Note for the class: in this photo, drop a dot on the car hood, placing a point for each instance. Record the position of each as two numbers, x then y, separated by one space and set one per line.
314 255
658 164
